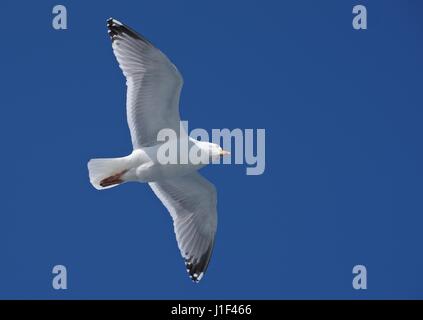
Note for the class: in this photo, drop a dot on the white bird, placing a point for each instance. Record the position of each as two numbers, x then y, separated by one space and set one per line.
153 89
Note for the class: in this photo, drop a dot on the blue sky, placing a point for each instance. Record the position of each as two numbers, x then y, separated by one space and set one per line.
342 111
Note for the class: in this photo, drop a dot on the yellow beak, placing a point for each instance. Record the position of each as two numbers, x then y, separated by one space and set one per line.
224 153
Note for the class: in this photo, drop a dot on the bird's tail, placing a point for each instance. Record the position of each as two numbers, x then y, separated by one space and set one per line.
107 173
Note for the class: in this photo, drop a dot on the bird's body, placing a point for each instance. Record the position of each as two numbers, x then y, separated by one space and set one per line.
153 89
143 165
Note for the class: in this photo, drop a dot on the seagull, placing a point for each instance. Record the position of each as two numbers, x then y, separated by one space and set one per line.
152 104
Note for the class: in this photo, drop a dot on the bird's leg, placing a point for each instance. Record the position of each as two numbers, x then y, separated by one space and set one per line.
114 179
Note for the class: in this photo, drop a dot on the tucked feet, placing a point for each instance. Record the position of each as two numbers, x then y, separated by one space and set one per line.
112 180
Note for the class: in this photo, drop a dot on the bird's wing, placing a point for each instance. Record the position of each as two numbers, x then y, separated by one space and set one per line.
154 85
191 201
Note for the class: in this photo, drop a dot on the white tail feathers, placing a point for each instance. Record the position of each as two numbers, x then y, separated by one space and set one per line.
106 173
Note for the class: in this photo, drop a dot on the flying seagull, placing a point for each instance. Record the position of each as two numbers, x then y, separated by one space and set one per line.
152 104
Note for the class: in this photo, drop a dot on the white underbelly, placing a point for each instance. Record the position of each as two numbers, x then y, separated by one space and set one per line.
148 168
155 171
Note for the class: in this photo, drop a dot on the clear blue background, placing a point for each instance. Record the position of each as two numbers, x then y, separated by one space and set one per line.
343 116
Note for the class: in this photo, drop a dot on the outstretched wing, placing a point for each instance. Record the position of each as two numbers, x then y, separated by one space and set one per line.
154 85
191 201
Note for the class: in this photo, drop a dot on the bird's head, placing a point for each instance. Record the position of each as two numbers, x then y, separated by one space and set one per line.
211 151
216 151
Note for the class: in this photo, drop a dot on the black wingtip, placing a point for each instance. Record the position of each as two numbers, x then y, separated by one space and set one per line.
193 274
116 28
196 269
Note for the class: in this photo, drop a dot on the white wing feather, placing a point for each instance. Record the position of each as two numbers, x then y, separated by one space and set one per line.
154 85
191 201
